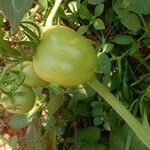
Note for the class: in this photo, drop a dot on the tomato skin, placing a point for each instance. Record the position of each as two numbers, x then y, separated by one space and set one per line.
23 100
31 79
64 57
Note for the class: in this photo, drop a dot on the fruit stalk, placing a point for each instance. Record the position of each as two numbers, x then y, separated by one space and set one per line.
138 129
51 16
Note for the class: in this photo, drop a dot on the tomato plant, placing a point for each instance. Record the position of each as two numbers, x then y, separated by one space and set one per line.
21 101
31 79
64 57
88 65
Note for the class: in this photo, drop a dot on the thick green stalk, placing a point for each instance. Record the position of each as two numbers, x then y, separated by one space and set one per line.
141 132
50 18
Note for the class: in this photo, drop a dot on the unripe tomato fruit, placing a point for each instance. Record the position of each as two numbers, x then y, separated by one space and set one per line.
21 102
64 57
31 79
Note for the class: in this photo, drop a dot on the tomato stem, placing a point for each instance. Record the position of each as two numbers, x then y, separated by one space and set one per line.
51 16
133 123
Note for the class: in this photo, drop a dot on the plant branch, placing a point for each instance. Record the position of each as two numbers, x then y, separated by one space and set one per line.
138 129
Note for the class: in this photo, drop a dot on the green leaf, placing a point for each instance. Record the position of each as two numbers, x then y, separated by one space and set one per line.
89 134
43 4
116 143
95 2
82 29
82 109
19 121
140 6
99 24
98 10
84 13
98 120
14 10
131 21
81 92
93 146
107 81
122 135
123 39
104 64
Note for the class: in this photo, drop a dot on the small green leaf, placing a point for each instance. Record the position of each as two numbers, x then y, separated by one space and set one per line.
104 64
95 2
98 120
99 24
84 13
123 39
106 81
98 10
43 3
82 29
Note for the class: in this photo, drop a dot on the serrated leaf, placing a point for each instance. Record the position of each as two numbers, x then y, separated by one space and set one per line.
82 29
95 2
14 10
104 64
98 10
99 24
123 39
19 121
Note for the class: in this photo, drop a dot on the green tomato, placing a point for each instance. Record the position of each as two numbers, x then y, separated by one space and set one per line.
22 101
31 79
64 57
